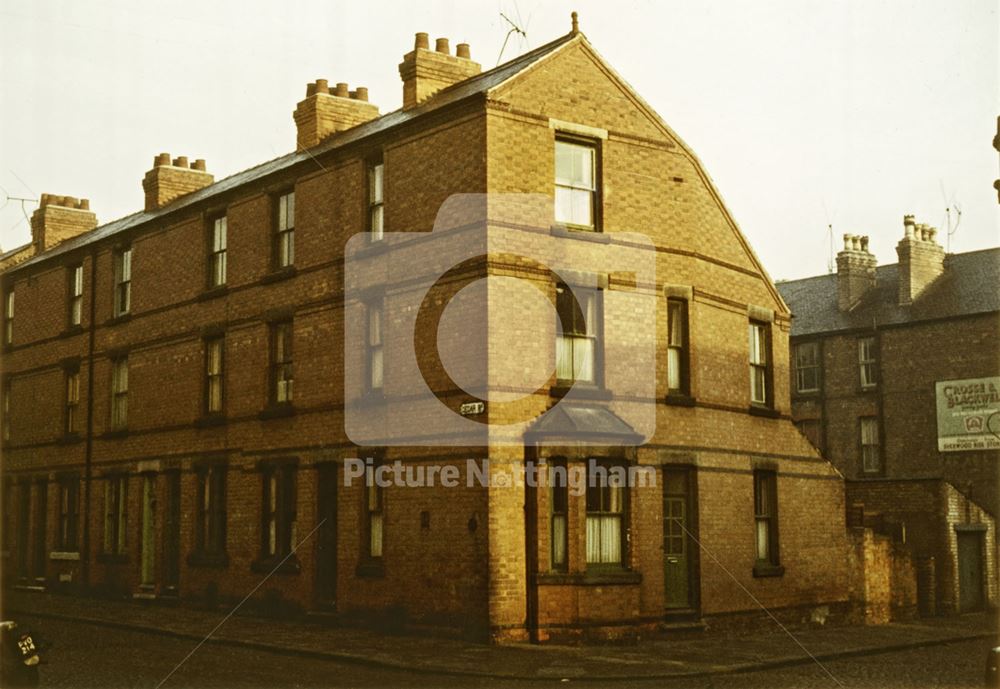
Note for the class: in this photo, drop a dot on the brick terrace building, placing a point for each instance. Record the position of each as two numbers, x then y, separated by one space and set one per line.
174 381
869 344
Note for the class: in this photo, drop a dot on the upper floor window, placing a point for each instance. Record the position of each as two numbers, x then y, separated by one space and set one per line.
867 362
375 348
677 347
871 452
72 400
119 393
123 281
8 318
6 408
285 237
765 500
376 202
760 364
279 510
577 344
282 375
76 294
217 254
576 184
606 522
215 351
807 367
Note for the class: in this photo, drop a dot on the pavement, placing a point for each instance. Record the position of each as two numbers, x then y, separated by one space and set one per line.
708 654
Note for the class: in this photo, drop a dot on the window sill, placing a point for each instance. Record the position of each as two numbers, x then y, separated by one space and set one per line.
213 292
867 389
677 399
766 569
267 565
71 330
119 433
372 247
592 577
112 558
589 234
581 391
210 421
69 438
805 394
202 559
69 555
371 399
766 412
277 410
120 318
370 570
279 274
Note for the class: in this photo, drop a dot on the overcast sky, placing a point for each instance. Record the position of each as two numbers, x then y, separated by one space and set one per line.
804 113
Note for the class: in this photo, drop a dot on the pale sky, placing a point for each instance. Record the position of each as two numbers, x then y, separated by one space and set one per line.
805 113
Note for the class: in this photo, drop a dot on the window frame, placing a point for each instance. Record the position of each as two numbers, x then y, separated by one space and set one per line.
71 402
68 531
282 370
559 514
210 510
278 509
868 366
213 377
5 407
218 256
623 515
8 317
594 332
765 506
75 297
683 349
115 520
596 210
863 447
373 505
119 392
284 233
122 305
765 367
373 349
816 367
375 199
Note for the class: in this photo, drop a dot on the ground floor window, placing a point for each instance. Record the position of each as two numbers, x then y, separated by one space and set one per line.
606 502
115 493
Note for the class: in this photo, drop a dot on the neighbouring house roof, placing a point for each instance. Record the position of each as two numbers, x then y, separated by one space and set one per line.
16 256
970 284
478 84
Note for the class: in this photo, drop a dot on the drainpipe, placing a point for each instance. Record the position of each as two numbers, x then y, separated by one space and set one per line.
89 451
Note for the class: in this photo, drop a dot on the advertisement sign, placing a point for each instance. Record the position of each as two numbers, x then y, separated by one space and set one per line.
968 414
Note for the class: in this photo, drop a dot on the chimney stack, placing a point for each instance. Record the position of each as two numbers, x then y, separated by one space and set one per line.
59 218
425 71
327 110
921 259
855 271
169 180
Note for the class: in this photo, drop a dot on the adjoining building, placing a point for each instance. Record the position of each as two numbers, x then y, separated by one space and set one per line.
175 382
897 381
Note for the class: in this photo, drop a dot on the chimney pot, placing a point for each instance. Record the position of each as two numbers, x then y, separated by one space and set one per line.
162 159
322 86
310 89
361 93
181 161
864 244
422 41
462 51
84 204
341 91
199 164
441 46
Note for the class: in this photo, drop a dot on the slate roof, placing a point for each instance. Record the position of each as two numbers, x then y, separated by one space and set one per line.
969 285
574 420
479 84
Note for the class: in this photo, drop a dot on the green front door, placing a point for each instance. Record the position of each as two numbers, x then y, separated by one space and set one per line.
678 527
